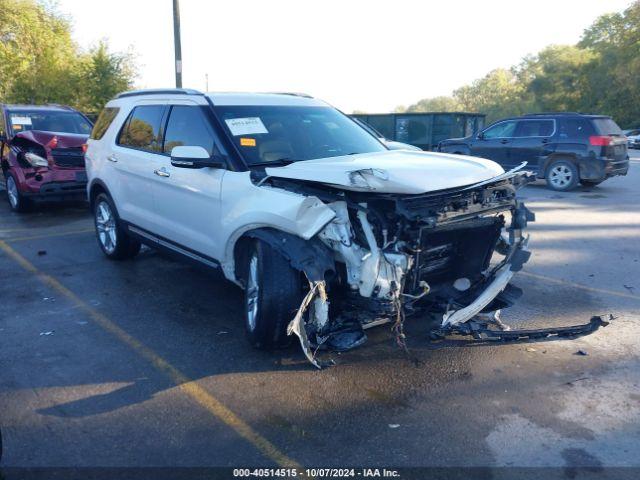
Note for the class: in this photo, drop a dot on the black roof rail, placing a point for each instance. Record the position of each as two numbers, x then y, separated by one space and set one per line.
552 113
160 91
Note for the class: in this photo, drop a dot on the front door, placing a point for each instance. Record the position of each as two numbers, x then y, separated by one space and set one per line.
188 200
532 143
494 143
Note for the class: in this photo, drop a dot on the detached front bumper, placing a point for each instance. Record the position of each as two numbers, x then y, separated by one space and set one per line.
496 283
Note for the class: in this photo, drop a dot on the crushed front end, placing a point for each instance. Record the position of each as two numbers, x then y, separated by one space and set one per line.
450 253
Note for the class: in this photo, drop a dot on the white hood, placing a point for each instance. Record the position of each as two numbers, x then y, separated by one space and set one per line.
392 171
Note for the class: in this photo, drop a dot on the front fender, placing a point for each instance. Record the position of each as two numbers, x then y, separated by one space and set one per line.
246 207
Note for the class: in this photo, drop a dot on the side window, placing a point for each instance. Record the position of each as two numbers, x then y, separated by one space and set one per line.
501 130
187 126
142 128
104 121
534 128
574 128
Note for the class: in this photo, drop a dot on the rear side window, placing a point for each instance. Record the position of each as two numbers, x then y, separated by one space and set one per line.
142 129
575 128
606 126
104 121
187 126
535 128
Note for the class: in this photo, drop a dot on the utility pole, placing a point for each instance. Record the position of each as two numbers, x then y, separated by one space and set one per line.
176 41
206 82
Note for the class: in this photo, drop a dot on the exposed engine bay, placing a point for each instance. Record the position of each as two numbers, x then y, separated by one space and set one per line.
392 255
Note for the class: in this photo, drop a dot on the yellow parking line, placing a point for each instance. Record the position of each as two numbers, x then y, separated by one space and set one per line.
188 386
580 286
48 235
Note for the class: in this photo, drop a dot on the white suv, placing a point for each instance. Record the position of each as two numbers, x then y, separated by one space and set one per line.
326 230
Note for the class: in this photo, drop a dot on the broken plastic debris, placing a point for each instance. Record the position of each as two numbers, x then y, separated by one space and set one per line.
222 332
46 334
394 425
582 353
530 349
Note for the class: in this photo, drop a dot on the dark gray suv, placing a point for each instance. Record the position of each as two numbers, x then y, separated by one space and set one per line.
563 148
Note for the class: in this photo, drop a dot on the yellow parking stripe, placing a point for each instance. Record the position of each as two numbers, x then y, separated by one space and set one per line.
580 286
188 386
49 235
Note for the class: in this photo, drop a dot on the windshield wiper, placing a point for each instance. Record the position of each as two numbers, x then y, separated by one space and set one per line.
278 162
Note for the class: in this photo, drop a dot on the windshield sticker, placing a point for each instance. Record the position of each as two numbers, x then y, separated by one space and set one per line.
20 120
248 142
246 126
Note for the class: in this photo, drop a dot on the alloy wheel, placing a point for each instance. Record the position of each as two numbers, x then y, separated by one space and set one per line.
560 176
253 291
12 191
106 227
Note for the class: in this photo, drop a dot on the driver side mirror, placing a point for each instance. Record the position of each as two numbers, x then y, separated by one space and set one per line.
195 157
480 136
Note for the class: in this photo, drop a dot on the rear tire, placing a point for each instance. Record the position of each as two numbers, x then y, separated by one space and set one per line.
17 201
112 238
590 183
273 292
562 176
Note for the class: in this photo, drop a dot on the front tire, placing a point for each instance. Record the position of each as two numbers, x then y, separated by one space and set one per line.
273 292
112 238
562 176
17 201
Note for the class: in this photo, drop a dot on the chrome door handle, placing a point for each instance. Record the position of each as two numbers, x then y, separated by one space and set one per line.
112 158
162 172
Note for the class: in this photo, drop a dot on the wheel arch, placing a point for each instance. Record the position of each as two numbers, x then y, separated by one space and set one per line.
311 256
559 156
98 187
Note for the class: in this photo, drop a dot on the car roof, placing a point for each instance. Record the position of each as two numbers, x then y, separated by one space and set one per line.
227 98
561 114
256 99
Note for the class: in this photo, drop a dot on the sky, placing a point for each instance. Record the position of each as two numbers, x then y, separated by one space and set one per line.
357 55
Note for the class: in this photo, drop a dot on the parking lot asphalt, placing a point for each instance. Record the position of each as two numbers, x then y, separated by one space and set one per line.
144 362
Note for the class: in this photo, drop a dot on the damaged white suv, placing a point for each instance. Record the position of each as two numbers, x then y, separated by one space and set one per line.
327 231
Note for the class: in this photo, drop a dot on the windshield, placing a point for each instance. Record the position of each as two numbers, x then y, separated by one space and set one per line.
606 126
279 134
48 121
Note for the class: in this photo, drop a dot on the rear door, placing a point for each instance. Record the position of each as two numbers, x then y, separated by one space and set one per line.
495 142
532 143
188 200
136 155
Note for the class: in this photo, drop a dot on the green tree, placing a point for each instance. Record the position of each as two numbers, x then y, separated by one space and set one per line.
40 63
435 104
557 78
498 94
600 74
36 54
101 75
614 73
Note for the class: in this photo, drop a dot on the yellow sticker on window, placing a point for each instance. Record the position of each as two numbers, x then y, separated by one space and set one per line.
248 142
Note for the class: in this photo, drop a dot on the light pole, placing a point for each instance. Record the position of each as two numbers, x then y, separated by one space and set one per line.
176 41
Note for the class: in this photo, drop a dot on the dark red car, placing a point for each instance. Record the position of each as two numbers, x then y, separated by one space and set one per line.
42 153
